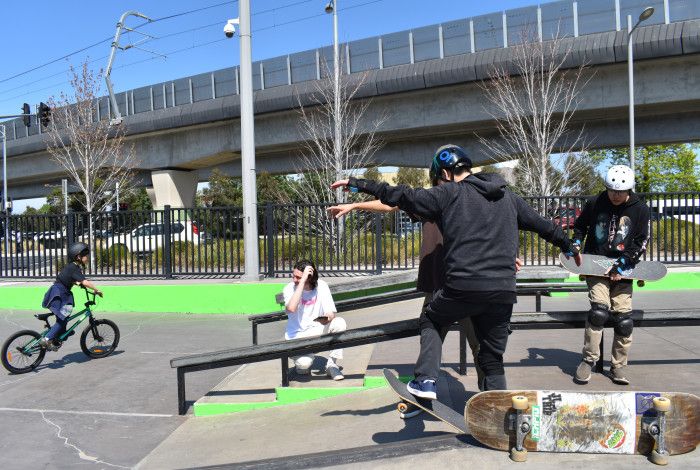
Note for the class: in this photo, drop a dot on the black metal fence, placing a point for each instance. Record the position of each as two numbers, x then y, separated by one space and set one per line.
208 242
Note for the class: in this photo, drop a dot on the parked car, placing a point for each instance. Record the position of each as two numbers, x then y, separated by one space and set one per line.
147 238
566 216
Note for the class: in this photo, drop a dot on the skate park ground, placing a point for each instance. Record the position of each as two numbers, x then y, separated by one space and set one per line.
121 411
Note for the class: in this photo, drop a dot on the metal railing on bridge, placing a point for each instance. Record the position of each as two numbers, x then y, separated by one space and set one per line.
462 36
208 242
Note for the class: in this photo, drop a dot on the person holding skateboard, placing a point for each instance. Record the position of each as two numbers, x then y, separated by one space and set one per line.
479 219
614 224
311 312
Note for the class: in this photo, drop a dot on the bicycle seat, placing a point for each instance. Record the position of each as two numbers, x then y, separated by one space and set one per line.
43 316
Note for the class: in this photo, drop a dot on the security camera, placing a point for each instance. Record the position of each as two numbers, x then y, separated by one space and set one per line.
230 28
329 7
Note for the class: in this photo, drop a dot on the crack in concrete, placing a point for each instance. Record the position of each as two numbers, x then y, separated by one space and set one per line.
140 324
81 454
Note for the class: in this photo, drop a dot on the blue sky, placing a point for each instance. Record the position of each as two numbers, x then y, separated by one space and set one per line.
42 31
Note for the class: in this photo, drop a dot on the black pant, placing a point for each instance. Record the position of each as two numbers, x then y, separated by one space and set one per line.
491 323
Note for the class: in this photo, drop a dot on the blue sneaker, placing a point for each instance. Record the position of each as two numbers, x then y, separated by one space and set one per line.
424 389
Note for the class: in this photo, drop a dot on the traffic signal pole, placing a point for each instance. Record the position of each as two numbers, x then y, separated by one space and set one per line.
5 224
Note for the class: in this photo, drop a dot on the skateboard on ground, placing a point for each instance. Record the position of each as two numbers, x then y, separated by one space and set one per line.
596 265
649 423
434 407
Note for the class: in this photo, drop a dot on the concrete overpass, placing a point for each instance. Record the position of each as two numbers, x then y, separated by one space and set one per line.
183 129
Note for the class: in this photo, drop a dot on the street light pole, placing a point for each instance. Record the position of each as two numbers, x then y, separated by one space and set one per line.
646 14
250 216
337 149
3 129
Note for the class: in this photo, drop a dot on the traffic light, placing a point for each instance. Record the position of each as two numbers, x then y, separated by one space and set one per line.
44 114
26 114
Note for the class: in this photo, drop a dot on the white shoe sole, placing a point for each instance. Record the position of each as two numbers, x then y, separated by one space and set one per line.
421 394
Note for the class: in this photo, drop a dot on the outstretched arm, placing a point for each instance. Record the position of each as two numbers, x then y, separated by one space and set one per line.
530 220
426 204
369 206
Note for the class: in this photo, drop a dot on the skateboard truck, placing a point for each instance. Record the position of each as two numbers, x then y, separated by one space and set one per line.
523 425
657 430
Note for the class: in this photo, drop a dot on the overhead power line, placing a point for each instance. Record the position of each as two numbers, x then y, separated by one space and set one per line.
196 46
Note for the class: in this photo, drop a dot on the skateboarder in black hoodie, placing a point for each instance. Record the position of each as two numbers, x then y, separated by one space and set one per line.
479 220
614 224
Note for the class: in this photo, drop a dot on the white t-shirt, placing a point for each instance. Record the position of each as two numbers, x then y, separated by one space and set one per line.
313 304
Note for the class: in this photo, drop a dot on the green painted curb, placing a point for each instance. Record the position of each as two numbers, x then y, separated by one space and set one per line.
288 396
670 282
181 298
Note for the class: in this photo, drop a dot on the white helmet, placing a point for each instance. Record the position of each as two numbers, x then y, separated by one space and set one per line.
619 178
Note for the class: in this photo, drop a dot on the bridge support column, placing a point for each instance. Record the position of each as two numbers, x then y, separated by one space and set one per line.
174 188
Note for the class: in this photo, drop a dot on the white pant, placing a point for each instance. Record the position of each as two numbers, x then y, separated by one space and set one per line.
303 363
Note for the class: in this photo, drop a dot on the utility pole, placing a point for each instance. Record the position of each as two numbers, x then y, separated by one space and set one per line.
250 216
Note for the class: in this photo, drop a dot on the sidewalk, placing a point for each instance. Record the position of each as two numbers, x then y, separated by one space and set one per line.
364 423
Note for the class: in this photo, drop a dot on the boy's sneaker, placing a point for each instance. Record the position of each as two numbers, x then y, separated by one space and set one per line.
583 372
48 344
334 373
424 389
619 376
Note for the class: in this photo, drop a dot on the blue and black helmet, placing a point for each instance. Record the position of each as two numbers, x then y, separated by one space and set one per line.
448 157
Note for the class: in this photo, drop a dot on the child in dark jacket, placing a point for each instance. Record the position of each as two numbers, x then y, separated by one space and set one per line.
59 298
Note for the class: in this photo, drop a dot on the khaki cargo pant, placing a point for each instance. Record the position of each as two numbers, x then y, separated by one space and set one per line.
617 296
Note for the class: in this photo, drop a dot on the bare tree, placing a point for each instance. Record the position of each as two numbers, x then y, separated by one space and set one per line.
92 152
325 155
328 155
532 99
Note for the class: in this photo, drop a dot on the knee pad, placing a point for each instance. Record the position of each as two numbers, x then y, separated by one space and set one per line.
598 315
304 363
624 325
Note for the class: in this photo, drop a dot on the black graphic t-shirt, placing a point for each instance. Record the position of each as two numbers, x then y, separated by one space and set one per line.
613 231
70 274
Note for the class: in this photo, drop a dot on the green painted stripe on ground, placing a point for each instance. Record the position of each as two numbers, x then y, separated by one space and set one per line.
672 281
239 298
177 298
288 396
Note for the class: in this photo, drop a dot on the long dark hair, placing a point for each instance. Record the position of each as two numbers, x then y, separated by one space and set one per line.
313 279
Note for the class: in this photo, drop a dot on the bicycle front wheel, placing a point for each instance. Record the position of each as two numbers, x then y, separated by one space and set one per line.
22 353
99 339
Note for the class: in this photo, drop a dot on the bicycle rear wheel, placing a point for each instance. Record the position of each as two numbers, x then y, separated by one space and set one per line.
21 352
99 339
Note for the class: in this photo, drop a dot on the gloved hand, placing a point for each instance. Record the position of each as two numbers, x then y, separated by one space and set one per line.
574 249
621 264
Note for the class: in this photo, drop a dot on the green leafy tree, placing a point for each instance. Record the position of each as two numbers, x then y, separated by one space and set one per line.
414 177
223 190
137 200
661 168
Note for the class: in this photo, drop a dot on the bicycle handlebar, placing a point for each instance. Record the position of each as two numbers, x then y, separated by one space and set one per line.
89 292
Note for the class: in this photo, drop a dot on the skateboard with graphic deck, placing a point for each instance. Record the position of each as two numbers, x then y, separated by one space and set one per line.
649 423
597 265
433 407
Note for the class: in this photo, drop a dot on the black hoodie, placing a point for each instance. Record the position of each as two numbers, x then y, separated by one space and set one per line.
614 231
479 220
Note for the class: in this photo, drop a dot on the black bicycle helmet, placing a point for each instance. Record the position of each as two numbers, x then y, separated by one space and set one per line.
448 157
77 249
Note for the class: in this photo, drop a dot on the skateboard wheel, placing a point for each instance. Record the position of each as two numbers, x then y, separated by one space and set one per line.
402 407
640 283
658 459
662 404
518 455
519 402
